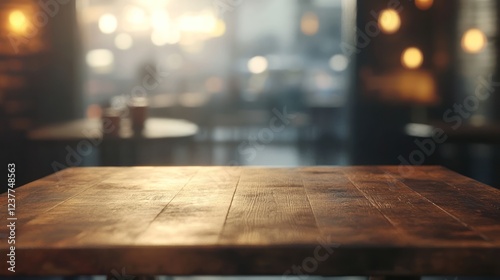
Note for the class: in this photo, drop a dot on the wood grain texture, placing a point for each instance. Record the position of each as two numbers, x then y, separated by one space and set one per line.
270 208
233 220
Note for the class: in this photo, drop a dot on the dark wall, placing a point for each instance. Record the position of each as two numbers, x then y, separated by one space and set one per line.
48 65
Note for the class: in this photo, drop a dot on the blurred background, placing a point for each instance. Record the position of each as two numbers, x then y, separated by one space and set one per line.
260 82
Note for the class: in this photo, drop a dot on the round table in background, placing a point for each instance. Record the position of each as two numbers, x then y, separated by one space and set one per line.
113 147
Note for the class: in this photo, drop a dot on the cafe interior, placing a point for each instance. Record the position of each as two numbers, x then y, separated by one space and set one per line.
281 83
250 83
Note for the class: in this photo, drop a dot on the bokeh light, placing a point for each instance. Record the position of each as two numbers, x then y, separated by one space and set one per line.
205 22
474 40
134 15
159 38
412 58
309 24
123 41
389 21
220 28
424 4
135 19
108 23
160 20
18 22
339 62
257 65
100 58
173 36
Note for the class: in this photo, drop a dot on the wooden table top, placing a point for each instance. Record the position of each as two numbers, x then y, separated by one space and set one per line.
250 220
155 128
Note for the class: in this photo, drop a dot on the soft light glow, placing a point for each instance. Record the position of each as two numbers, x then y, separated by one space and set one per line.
474 41
18 22
162 3
100 58
309 24
192 46
409 86
158 38
424 4
203 23
189 39
220 28
123 41
136 19
209 20
214 84
257 65
134 15
173 36
108 23
160 20
163 37
339 62
412 58
323 81
389 21
174 61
